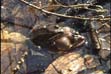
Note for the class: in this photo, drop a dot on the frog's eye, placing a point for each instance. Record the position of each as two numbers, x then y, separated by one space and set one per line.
57 26
76 33
67 29
44 26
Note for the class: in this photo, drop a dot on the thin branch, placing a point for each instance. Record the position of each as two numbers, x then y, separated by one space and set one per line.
79 6
84 6
63 15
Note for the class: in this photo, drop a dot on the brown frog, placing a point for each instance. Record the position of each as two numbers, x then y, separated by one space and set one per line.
57 38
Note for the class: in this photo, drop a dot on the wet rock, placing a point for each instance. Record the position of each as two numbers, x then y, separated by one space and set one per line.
72 64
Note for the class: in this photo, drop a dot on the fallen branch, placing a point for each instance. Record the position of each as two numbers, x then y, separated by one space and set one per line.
66 16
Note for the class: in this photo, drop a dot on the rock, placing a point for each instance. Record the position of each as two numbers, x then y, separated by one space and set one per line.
74 63
70 63
17 37
12 37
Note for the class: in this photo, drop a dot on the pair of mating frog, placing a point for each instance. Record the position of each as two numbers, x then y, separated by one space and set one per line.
56 38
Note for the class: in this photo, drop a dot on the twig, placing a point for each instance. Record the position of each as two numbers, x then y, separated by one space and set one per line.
79 6
94 37
63 15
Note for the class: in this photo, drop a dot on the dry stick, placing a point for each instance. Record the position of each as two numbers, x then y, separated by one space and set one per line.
83 6
107 25
80 6
94 38
99 29
66 16
70 6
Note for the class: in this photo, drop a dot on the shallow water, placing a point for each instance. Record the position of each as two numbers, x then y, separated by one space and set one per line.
38 59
